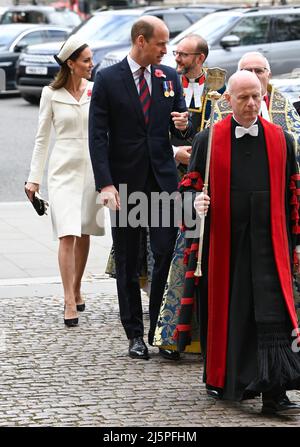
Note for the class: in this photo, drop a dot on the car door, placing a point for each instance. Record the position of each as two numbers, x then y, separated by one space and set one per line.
285 47
254 34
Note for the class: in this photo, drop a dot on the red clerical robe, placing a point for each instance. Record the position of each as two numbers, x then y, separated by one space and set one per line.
220 237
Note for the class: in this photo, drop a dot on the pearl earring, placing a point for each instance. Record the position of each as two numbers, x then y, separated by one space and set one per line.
72 71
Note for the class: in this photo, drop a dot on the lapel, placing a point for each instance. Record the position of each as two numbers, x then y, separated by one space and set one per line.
156 91
131 89
62 95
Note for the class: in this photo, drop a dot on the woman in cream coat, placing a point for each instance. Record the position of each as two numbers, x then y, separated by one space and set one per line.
72 196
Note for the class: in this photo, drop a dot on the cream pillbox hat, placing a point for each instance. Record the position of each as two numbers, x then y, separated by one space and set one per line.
69 47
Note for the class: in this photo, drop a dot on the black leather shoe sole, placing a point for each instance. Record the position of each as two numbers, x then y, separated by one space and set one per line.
169 354
134 355
213 393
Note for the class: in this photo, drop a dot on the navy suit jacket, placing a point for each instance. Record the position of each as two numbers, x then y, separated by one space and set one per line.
122 147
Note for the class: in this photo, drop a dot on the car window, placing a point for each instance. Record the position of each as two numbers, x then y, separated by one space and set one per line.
56 35
23 17
287 27
196 15
32 38
252 30
63 18
108 27
176 23
211 27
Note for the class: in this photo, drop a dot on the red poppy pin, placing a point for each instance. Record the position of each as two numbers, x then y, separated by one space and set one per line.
89 92
159 73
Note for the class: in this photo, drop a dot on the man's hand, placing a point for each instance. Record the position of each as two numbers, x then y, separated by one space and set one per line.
201 204
109 197
183 154
180 120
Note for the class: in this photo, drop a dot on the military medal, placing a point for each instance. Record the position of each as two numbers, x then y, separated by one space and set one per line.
168 89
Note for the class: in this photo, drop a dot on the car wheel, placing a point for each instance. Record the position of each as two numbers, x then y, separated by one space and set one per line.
32 99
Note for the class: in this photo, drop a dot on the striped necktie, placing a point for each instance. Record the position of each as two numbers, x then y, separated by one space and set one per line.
145 96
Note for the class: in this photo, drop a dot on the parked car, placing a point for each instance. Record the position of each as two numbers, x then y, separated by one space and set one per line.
15 38
2 10
41 14
105 31
275 32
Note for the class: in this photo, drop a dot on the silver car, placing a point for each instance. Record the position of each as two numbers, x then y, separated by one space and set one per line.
275 32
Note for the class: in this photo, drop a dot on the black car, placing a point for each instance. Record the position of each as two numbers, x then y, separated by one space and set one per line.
15 38
104 31
40 14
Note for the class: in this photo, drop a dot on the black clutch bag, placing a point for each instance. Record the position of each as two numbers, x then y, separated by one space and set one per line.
40 205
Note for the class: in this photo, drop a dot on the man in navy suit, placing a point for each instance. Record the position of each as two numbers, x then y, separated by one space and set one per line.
135 106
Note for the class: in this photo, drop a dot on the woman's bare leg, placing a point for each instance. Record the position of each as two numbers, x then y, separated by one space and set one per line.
66 260
81 250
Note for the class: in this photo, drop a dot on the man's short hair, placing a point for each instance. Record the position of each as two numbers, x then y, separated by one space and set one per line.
201 44
142 28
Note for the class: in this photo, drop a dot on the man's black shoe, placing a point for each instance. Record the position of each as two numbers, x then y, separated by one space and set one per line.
169 354
248 395
214 392
138 349
280 405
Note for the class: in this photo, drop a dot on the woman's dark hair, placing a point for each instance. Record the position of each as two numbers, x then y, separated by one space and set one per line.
62 76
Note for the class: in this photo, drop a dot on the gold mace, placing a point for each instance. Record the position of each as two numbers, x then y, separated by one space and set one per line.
215 79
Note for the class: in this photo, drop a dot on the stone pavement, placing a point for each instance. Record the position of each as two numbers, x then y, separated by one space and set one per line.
55 376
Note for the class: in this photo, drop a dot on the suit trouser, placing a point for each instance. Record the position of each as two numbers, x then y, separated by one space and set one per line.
126 247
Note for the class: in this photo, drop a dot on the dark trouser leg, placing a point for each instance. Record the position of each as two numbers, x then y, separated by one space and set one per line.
126 245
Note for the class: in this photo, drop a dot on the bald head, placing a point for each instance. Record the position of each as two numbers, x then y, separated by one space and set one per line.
240 80
258 64
198 44
253 58
146 26
244 95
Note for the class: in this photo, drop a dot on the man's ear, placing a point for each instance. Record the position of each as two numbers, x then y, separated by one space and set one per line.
140 41
201 58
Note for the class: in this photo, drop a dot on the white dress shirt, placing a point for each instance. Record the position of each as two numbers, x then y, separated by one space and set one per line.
135 70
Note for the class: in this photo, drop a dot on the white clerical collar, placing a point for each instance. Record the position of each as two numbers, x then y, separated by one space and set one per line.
264 112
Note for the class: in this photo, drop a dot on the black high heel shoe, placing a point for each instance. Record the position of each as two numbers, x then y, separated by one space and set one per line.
80 307
70 322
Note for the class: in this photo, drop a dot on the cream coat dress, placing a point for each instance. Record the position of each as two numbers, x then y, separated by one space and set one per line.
71 184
